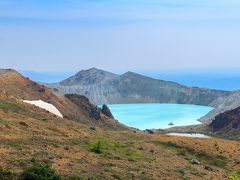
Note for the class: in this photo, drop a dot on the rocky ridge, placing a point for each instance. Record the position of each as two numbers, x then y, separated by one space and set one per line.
102 87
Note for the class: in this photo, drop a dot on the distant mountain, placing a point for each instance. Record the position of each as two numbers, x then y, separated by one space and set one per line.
104 87
14 84
222 105
89 77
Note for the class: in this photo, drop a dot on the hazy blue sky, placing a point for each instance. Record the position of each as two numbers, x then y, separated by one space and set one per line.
69 35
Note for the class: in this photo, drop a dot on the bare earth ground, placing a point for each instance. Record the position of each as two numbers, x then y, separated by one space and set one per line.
28 133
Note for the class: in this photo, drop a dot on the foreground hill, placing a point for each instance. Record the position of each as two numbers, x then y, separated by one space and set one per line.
29 134
14 84
105 87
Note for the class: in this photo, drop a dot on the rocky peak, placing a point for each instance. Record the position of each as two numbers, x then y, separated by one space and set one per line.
135 76
89 77
106 111
130 74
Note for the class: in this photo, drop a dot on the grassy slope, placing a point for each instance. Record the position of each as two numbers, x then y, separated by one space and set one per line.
28 133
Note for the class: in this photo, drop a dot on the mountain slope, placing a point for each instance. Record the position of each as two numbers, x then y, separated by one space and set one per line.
227 124
14 84
29 134
89 77
222 105
106 88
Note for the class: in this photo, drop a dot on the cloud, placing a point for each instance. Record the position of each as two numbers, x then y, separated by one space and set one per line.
114 12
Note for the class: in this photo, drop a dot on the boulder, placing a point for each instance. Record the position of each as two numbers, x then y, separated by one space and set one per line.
150 131
195 161
171 124
92 128
209 168
181 170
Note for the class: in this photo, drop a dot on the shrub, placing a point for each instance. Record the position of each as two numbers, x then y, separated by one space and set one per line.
234 176
40 171
6 175
98 147
66 148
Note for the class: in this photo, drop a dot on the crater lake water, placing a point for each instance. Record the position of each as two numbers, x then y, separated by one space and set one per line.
149 116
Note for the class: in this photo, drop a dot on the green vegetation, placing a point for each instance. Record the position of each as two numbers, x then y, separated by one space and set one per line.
14 107
17 143
189 153
40 171
5 123
234 176
66 148
195 172
115 150
78 142
99 147
6 175
10 107
2 121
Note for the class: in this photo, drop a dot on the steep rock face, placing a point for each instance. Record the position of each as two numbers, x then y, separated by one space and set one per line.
96 114
227 124
106 111
84 103
106 88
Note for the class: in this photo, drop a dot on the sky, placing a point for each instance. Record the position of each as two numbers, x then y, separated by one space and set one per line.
120 35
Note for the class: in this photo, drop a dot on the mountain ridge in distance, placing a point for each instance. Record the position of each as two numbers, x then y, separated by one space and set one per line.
87 77
103 87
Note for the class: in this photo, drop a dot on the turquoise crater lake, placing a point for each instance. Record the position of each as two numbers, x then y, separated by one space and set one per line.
149 116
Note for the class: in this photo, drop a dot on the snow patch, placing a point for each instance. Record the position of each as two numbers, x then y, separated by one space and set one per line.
193 135
47 106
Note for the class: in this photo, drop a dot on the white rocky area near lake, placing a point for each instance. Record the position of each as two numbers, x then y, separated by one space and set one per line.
44 105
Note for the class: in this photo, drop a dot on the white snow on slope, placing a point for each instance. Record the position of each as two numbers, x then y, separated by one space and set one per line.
193 135
47 106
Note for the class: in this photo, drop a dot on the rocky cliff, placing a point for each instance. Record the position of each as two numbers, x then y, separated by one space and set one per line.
227 124
222 104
